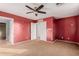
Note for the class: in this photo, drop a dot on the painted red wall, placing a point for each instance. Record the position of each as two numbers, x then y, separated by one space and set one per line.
77 30
67 28
54 29
49 21
21 27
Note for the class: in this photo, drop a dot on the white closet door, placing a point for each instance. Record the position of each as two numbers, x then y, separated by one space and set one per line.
41 30
33 31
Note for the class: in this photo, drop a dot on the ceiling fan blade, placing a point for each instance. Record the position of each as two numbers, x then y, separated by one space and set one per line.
41 6
58 4
41 12
30 8
29 12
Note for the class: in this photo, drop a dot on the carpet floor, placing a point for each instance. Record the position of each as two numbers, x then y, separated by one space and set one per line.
40 48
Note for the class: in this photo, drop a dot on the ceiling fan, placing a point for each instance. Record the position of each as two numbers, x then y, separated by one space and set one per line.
36 10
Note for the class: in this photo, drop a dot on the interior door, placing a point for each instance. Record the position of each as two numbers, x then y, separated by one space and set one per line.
33 31
41 30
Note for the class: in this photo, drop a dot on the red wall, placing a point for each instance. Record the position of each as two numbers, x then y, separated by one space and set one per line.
65 28
54 29
49 21
77 30
21 27
68 28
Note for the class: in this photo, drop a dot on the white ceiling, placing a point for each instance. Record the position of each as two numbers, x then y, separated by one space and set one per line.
65 10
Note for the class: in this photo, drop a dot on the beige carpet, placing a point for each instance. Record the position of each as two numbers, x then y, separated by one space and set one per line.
41 48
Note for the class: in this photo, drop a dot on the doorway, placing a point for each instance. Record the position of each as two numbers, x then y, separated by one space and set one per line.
6 30
2 31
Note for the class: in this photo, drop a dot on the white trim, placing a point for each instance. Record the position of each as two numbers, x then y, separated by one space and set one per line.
11 22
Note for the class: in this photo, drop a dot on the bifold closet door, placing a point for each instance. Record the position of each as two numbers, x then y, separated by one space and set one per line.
33 31
41 30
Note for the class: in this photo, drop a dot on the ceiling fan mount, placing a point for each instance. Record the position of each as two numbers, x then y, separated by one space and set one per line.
36 9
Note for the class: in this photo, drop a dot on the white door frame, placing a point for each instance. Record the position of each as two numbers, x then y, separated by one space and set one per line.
9 21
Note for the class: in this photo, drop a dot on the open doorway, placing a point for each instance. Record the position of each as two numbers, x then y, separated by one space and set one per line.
6 30
2 31
3 39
